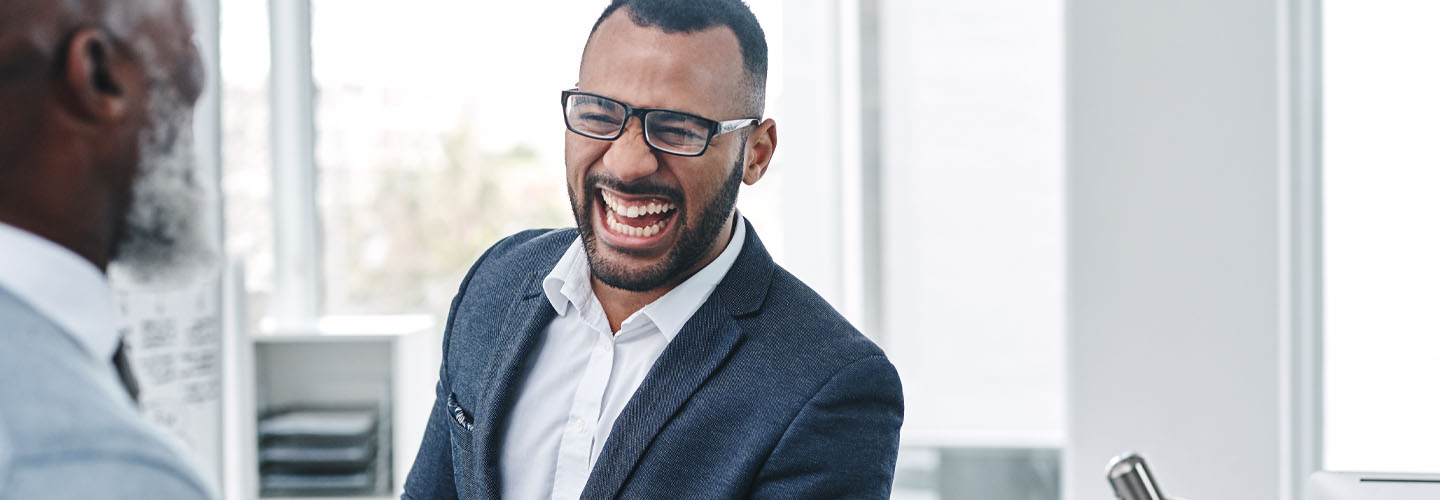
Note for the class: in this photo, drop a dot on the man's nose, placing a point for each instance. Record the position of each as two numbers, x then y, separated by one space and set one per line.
629 157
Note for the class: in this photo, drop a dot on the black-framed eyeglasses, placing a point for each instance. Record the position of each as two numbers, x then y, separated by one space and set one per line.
674 132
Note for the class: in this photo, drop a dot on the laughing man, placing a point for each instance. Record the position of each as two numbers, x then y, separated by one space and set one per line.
656 351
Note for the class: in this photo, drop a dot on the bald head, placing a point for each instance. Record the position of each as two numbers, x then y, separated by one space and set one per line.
31 31
79 81
38 39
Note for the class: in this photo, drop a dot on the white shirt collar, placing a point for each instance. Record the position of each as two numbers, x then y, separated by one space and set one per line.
568 285
61 286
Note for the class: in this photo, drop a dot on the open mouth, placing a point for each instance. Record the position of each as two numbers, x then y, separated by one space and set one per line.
635 221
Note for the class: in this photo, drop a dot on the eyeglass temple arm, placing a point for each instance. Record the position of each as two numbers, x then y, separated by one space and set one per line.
733 125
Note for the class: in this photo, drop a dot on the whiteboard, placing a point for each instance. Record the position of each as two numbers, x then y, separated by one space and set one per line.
173 342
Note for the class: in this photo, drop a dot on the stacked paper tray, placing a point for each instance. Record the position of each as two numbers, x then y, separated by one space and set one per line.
318 452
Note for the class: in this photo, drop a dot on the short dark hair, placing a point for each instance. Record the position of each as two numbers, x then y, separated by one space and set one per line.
689 16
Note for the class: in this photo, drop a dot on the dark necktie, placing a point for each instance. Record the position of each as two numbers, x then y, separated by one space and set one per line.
122 367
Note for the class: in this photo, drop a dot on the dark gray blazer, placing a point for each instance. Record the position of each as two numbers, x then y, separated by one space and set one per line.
767 392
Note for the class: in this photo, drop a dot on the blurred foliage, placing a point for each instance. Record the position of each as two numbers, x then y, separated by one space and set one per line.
409 246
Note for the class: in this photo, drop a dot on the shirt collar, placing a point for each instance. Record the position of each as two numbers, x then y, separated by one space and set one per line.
62 286
569 282
568 285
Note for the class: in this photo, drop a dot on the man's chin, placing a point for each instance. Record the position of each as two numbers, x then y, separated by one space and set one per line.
614 267
630 281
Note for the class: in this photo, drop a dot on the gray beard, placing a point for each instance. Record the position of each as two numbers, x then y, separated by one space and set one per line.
167 237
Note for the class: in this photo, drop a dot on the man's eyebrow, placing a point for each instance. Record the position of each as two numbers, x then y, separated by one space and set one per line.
604 101
672 117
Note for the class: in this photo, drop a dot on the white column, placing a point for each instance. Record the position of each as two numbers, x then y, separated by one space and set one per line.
296 302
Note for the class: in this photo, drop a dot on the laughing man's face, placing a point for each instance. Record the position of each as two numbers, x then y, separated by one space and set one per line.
649 219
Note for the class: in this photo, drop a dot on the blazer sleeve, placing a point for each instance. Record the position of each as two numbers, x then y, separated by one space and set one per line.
843 443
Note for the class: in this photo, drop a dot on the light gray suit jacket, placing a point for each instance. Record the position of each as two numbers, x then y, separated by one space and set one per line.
68 430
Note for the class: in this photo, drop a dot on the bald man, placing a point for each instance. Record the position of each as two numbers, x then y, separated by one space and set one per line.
95 169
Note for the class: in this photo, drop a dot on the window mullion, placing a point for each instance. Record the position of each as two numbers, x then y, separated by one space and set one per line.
292 118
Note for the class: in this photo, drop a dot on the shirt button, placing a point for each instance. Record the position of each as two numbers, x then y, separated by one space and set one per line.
577 424
608 346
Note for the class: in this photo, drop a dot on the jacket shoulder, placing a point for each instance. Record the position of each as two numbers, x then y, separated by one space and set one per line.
798 325
506 265
510 261
793 307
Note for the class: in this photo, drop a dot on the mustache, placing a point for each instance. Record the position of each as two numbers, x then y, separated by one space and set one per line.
636 188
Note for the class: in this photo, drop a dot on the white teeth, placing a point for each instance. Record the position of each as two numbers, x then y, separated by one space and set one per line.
628 230
634 210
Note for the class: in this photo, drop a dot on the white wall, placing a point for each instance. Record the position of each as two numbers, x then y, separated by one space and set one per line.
1176 196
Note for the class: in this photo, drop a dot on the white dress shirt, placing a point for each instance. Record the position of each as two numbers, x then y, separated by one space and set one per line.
583 375
63 287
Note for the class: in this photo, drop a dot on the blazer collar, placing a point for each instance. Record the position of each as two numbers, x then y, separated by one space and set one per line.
743 290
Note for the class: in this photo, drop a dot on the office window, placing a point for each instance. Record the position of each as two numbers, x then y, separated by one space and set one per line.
436 135
1381 239
245 146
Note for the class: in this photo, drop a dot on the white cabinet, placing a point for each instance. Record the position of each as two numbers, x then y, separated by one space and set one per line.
384 364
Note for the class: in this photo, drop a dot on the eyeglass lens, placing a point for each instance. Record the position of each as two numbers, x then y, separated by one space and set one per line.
603 118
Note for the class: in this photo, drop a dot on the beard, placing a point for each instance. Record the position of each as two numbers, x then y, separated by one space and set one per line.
166 236
692 243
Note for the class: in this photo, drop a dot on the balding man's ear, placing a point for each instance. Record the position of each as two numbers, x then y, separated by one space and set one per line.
98 84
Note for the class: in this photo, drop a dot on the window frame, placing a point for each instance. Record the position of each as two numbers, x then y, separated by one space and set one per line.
296 302
1301 245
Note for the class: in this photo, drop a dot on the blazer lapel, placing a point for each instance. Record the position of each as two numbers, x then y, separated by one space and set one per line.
700 348
525 321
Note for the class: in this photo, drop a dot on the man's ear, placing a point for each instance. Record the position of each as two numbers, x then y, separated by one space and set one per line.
760 147
98 84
